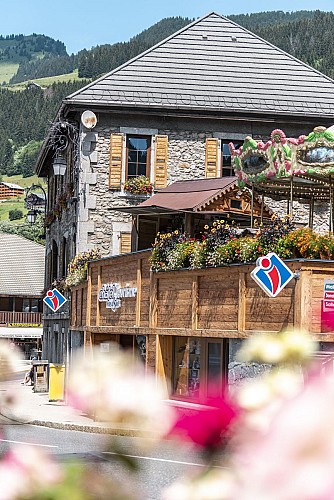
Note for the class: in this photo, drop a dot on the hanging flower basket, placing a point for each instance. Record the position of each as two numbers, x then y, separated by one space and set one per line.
139 185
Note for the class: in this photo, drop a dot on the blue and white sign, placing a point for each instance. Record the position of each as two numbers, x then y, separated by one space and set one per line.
271 274
54 300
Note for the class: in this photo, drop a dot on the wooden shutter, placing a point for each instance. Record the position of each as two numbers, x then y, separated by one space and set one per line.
211 158
160 161
125 246
115 165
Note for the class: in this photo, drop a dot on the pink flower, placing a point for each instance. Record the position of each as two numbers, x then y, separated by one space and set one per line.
294 458
207 425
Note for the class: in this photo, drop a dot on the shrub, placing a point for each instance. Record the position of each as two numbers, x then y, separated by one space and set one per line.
269 235
218 234
15 214
163 245
77 269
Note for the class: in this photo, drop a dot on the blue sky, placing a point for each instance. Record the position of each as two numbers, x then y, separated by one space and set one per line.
85 23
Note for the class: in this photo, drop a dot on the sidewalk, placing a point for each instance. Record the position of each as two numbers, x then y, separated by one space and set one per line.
36 409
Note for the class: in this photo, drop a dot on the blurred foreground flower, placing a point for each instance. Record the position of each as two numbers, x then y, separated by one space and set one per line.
213 484
294 459
115 388
9 360
25 471
289 346
207 425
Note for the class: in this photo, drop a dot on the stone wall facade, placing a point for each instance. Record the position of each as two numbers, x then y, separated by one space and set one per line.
99 225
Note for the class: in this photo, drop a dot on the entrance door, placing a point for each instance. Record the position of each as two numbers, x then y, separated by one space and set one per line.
199 368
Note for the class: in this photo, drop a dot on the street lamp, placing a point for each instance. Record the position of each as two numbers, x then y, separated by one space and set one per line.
33 200
59 165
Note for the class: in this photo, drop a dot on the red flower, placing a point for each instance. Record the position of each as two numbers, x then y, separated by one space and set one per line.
206 426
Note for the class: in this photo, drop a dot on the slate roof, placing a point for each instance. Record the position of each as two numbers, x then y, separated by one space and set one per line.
21 266
214 64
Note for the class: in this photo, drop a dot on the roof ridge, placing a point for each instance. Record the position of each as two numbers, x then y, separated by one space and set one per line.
142 54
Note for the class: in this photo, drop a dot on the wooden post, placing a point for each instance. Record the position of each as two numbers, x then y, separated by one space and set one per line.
311 213
194 306
189 223
89 297
98 303
252 207
262 207
291 197
303 301
242 303
330 222
138 297
153 319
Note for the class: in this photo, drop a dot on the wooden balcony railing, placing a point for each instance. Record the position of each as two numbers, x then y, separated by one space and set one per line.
20 317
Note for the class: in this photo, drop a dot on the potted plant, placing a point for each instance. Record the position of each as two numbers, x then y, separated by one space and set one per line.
139 185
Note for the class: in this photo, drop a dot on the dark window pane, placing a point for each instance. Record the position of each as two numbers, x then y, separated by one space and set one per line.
132 156
142 156
141 168
227 161
215 373
132 170
227 172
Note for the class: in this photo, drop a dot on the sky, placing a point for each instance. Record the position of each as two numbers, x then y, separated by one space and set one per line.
87 23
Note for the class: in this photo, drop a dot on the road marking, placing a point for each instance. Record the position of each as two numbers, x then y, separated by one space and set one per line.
161 460
29 444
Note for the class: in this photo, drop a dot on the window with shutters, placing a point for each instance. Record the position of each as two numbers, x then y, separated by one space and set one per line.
227 167
138 153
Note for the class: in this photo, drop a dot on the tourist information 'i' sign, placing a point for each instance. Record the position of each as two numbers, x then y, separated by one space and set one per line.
271 274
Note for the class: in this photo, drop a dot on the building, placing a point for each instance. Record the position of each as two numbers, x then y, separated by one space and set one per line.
21 292
168 114
10 190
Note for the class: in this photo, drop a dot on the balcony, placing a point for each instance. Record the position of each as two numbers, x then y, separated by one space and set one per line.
25 318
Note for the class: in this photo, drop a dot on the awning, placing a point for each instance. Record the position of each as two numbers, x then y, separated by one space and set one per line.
21 333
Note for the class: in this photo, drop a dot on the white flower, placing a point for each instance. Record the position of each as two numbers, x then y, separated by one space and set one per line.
25 471
115 388
212 485
9 360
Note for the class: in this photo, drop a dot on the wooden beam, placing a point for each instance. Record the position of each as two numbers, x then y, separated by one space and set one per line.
139 285
98 303
153 313
194 306
242 303
89 297
303 301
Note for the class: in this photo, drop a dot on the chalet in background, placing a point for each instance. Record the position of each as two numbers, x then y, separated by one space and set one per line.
21 292
9 190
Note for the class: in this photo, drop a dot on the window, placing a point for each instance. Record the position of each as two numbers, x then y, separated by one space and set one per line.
227 168
199 367
138 149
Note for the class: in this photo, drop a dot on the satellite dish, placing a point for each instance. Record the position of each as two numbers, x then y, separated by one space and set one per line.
88 119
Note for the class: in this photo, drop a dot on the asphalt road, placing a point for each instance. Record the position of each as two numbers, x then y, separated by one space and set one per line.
158 467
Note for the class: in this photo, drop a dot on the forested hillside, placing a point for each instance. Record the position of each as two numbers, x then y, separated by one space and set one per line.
25 115
24 120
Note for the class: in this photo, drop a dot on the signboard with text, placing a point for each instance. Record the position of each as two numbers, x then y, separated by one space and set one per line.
328 301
